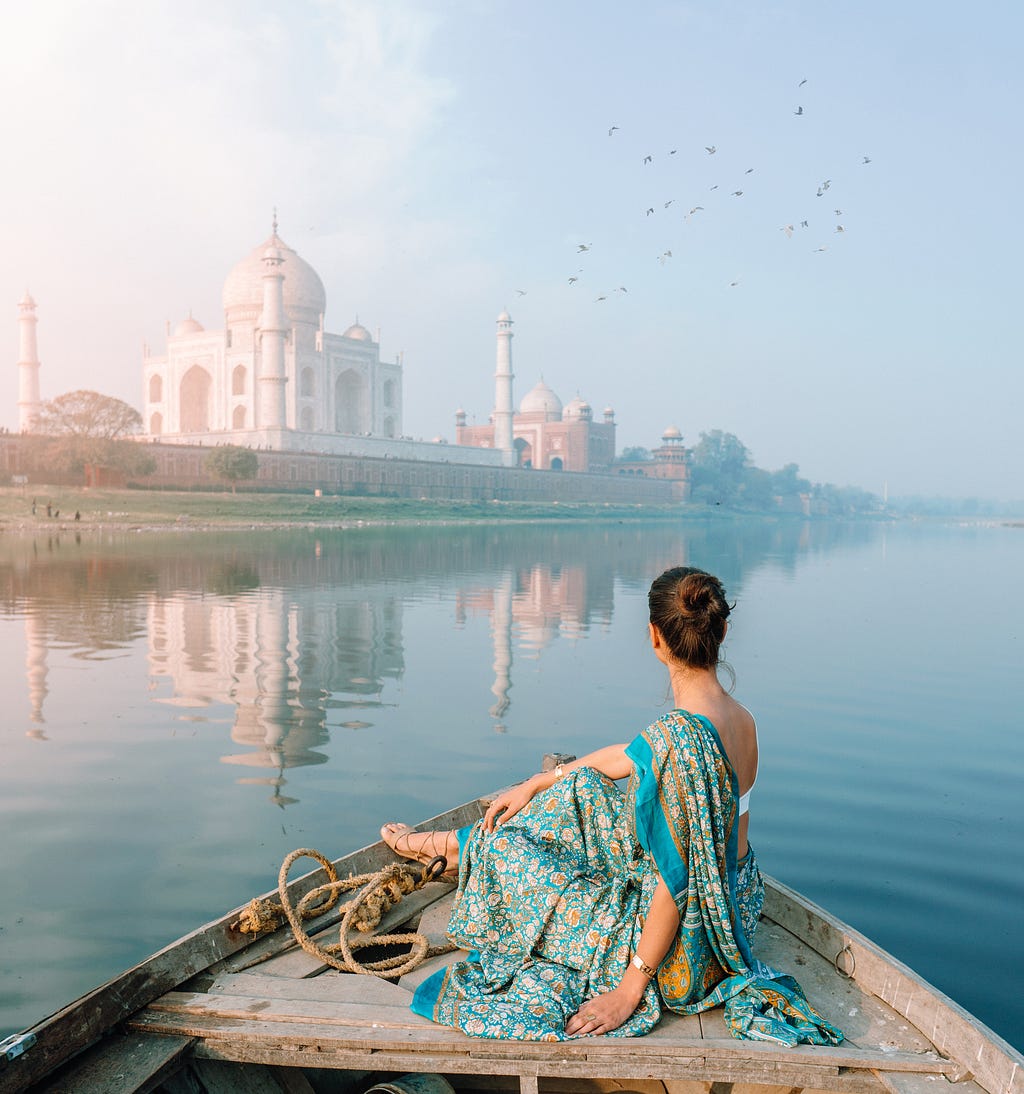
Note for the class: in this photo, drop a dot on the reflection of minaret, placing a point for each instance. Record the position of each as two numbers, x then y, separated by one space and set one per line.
271 405
28 365
35 665
501 633
503 389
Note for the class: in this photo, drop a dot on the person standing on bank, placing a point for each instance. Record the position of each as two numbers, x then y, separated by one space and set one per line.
586 908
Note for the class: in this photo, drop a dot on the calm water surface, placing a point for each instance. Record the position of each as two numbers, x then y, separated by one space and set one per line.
182 711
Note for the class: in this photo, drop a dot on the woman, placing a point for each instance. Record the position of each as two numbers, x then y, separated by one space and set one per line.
587 908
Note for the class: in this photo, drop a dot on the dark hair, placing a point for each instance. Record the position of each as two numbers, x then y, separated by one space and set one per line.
689 607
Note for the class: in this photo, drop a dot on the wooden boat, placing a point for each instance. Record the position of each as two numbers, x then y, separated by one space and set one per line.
223 1012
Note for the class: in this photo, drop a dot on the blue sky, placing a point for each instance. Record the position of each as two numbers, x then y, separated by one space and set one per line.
437 162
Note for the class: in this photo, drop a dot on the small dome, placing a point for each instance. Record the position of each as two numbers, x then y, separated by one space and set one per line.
359 332
609 412
504 317
26 301
188 326
671 434
577 410
304 297
541 400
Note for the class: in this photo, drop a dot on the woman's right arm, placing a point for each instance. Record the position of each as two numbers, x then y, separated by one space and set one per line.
610 761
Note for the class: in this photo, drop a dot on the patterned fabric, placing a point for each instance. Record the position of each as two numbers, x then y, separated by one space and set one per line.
551 905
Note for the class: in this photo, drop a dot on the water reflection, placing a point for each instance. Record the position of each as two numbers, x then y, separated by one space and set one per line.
288 637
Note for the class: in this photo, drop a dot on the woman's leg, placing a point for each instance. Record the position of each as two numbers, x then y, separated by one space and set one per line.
422 846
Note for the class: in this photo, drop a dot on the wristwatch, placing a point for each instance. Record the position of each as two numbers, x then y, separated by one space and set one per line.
639 963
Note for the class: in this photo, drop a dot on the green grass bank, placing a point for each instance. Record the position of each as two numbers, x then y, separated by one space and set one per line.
159 509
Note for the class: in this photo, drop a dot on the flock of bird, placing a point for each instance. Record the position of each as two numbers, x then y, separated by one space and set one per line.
576 280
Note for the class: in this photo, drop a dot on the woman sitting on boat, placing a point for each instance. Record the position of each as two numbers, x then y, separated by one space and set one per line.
586 908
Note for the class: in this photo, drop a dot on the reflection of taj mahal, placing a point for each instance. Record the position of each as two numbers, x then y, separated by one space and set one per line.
273 371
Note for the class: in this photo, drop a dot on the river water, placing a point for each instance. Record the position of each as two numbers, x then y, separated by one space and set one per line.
183 710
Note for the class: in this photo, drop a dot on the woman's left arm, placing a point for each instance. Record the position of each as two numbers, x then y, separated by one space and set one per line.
606 1012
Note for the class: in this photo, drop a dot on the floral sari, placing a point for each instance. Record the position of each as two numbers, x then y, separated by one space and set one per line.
551 904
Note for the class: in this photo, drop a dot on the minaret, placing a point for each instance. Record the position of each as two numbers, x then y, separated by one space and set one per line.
503 389
28 365
270 409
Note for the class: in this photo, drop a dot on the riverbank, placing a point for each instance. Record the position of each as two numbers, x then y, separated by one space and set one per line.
71 508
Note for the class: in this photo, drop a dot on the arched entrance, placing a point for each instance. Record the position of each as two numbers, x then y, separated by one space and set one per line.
524 452
350 414
195 401
556 463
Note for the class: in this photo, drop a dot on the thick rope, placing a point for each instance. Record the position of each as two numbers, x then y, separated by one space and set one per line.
378 892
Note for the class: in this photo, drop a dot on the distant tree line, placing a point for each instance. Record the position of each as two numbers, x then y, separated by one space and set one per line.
722 473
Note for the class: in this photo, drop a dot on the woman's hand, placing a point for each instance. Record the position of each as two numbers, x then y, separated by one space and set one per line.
508 803
603 1013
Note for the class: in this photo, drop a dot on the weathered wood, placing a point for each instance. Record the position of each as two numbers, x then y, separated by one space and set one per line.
77 1026
908 1082
134 1061
434 920
996 1065
331 987
222 1078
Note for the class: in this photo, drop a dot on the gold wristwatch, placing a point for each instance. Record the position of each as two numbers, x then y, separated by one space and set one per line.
639 963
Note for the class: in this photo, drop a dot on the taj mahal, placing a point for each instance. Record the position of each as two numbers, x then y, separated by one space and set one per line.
273 378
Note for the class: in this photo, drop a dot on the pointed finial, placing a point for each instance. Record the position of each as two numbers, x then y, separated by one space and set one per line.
274 224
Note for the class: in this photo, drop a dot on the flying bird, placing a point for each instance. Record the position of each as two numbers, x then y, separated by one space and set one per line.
600 298
710 149
839 212
647 159
803 224
573 280
673 152
733 284
788 229
696 209
584 247
867 159
801 84
621 288
840 228
664 256
749 171
737 193
818 249
669 202
715 187
612 130
799 110
651 210
520 292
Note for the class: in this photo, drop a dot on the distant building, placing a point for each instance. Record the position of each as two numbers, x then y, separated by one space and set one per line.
669 461
273 372
542 433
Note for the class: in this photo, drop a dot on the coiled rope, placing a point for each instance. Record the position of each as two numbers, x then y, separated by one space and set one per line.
378 892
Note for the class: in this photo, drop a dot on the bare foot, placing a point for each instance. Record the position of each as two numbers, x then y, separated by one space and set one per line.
422 846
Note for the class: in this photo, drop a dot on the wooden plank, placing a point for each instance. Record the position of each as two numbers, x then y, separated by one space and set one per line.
219 1077
336 987
995 1064
295 962
74 1027
376 1015
434 921
343 1027
908 1082
134 1061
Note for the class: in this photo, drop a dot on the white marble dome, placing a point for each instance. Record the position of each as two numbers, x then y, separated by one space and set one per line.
188 326
359 332
304 297
671 434
541 400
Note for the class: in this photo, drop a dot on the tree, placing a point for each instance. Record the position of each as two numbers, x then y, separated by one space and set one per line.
87 414
634 454
718 467
233 463
84 430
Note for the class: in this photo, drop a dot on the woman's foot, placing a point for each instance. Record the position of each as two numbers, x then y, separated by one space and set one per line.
423 846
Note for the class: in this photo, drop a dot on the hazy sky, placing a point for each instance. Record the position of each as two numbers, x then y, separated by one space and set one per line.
436 160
